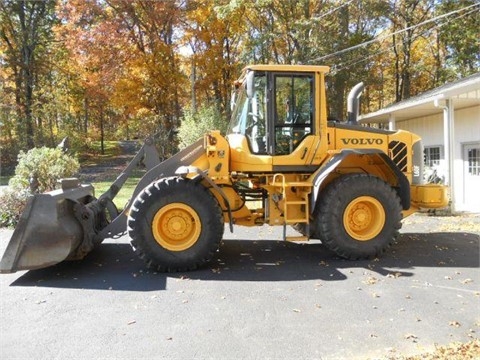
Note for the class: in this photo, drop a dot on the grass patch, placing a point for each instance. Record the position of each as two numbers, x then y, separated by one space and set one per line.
111 148
125 192
93 153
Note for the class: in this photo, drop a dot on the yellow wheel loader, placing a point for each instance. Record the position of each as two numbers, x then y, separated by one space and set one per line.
282 163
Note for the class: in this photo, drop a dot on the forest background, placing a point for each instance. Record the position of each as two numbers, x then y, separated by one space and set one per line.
121 69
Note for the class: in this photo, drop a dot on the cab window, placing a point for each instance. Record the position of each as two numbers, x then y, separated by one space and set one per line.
293 114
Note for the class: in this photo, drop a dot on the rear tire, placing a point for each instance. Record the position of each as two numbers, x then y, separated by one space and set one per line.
358 216
175 224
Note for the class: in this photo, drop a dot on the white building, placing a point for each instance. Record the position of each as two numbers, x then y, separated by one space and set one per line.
448 120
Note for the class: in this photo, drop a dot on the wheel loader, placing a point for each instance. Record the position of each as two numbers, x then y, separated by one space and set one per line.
281 163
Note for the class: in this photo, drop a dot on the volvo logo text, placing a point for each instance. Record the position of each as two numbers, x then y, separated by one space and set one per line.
363 141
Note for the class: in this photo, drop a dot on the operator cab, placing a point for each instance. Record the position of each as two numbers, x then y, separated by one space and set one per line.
274 110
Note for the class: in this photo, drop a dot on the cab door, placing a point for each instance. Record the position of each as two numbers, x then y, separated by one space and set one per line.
291 120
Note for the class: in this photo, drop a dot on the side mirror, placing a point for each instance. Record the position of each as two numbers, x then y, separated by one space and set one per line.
232 99
250 84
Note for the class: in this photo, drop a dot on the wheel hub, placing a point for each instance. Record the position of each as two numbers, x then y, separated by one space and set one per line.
364 218
176 227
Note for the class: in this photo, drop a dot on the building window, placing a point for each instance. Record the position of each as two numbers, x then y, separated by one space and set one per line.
474 161
433 155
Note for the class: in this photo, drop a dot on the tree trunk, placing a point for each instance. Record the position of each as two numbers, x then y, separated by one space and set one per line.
102 134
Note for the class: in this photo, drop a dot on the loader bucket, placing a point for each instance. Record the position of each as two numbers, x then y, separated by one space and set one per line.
48 231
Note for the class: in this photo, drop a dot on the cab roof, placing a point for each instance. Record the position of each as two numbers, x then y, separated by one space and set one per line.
289 68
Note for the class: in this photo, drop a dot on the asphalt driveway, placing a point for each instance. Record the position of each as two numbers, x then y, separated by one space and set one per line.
260 298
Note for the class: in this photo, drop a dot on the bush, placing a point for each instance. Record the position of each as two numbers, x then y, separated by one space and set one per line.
43 166
13 202
196 124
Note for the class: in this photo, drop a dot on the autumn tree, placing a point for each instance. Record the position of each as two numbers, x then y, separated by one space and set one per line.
150 27
212 35
25 30
459 38
98 69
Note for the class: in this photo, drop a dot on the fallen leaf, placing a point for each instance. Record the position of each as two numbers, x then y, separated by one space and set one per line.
466 281
371 280
297 310
394 275
131 322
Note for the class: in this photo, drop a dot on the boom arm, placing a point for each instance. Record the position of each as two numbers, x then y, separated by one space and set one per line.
155 171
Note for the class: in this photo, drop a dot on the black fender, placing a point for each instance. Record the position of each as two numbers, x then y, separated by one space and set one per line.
403 187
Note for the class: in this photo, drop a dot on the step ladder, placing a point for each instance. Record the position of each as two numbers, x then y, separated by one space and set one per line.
295 196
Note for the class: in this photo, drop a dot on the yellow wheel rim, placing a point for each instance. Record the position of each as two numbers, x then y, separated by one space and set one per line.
364 218
176 227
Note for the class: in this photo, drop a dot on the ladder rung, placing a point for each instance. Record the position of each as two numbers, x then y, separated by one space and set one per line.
296 220
296 202
296 238
292 184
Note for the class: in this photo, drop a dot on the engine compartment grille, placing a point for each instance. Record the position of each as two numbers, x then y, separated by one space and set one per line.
398 153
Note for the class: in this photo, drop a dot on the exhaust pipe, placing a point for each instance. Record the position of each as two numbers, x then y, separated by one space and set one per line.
353 103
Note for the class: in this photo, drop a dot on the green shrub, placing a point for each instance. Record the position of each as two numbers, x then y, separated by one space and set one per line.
13 202
44 166
196 124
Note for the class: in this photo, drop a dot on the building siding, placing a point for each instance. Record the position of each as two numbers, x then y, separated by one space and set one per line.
466 131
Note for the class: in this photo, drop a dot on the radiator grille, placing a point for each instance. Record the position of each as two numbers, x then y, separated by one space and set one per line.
398 153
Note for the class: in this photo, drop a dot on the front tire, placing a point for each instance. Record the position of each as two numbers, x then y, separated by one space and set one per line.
175 224
358 216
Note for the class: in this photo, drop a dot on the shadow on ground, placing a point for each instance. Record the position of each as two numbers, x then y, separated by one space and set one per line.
115 266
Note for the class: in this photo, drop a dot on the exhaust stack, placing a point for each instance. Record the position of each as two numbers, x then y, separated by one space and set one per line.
353 103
